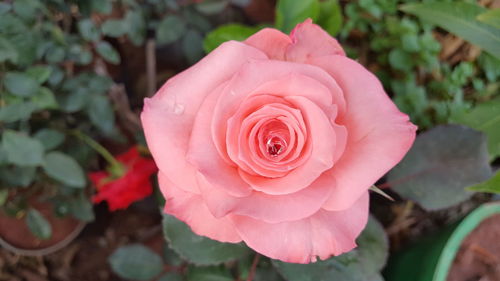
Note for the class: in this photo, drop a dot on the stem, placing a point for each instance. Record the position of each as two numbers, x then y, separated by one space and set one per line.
255 261
151 67
97 147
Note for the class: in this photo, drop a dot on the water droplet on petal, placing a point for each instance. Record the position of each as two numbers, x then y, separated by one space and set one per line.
275 145
178 109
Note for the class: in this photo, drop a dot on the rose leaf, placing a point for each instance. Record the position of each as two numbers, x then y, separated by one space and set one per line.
197 249
441 163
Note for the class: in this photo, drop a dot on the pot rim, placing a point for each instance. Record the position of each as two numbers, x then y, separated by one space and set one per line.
48 250
465 227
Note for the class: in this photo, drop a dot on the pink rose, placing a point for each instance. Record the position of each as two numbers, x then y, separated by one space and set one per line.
275 141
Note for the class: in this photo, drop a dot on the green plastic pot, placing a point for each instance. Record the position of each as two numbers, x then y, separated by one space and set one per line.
431 258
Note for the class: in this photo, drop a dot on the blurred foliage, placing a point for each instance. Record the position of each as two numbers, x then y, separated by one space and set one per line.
405 54
55 59
491 186
47 87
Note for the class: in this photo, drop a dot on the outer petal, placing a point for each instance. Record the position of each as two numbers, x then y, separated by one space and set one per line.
309 41
264 207
203 154
379 135
271 41
191 209
322 235
168 117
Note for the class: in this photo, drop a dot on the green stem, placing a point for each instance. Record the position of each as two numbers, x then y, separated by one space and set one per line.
97 147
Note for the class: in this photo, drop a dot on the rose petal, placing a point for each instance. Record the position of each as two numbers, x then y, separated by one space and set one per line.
261 206
271 41
244 135
322 137
168 117
191 209
203 154
276 78
322 235
379 135
309 41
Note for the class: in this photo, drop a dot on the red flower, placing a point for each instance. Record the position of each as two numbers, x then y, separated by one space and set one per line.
132 186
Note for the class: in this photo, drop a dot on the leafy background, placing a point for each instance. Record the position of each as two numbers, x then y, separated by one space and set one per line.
81 68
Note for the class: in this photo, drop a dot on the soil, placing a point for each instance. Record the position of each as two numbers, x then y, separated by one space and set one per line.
478 258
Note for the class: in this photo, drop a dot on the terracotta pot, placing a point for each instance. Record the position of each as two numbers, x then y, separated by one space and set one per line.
17 238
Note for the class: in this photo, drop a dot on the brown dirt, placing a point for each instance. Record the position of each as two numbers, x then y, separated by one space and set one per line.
479 256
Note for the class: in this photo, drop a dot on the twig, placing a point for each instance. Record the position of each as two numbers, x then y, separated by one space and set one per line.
128 119
255 261
151 67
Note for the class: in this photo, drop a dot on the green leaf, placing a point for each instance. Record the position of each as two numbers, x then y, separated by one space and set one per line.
114 27
50 138
192 45
171 257
4 8
136 262
103 7
107 52
441 163
400 60
74 100
198 249
15 176
79 54
491 17
88 30
225 33
45 99
373 249
16 111
65 169
209 273
171 276
101 113
81 208
26 9
490 65
56 76
3 156
7 51
459 18
21 149
136 26
492 185
55 54
289 13
38 225
484 117
4 193
40 73
211 7
170 29
20 84
330 16
361 264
